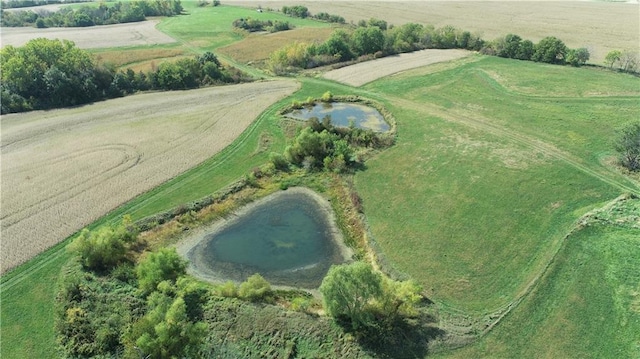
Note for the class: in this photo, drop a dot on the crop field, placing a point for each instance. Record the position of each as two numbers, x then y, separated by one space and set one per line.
118 35
63 169
600 26
365 72
258 47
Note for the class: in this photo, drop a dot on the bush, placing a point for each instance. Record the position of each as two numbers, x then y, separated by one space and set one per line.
159 266
254 288
279 161
105 247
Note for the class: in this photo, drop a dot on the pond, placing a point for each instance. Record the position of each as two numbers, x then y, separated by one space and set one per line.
290 238
344 114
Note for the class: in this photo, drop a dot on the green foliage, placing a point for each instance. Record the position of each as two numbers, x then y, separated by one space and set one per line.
577 57
102 14
105 247
167 331
91 313
550 50
229 289
612 58
323 16
255 288
296 11
628 146
327 97
279 161
252 25
349 291
367 40
156 267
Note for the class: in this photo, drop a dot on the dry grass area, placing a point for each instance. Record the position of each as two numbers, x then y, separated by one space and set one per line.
122 58
258 47
365 72
119 35
598 26
62 169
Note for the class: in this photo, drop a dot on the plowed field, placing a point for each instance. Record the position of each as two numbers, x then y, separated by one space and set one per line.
63 169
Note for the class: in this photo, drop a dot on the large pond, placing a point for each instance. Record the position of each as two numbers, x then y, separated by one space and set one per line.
344 114
290 238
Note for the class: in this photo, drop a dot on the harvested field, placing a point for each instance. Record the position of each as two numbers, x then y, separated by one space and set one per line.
599 26
63 169
365 72
119 35
258 47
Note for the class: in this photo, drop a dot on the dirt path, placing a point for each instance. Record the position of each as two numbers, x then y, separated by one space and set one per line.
365 72
119 35
63 169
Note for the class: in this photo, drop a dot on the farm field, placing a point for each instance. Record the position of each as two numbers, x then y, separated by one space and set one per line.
495 165
362 73
108 153
577 23
132 34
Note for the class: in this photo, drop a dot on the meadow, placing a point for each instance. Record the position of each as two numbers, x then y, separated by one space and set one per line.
495 164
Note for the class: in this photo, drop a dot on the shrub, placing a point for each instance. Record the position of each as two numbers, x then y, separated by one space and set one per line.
159 266
254 288
327 97
105 247
279 161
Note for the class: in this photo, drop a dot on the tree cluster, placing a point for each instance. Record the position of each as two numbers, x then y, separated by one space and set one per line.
549 50
102 14
365 301
626 61
371 39
50 73
296 11
628 146
320 146
252 25
14 4
109 308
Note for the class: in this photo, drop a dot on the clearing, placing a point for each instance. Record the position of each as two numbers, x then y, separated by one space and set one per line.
63 169
365 72
118 35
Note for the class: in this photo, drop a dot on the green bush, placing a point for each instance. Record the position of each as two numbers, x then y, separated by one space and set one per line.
105 247
254 288
156 267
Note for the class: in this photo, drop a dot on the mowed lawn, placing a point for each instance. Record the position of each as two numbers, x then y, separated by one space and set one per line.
495 161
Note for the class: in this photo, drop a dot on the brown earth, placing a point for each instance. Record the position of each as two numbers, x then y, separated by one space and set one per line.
600 26
63 169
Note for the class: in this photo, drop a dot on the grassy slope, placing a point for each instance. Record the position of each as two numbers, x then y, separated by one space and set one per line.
476 196
586 306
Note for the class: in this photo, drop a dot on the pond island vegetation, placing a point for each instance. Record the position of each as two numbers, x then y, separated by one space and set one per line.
498 216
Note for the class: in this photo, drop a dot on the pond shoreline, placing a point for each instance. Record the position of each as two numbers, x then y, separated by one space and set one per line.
188 246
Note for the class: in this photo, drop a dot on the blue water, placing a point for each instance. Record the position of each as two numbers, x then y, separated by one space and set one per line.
344 115
285 234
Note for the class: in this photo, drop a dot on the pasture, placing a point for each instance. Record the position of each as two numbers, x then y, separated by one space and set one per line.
496 162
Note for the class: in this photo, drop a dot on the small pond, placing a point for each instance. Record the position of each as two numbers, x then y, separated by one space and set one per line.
288 237
344 114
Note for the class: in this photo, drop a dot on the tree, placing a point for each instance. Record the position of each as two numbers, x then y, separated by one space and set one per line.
612 58
105 247
368 40
550 50
629 61
628 146
577 57
159 266
348 292
510 46
525 50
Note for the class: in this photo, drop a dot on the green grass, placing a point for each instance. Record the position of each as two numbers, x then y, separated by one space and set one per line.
208 28
586 306
485 181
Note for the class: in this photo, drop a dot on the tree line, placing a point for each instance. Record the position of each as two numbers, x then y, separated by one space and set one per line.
375 38
252 25
47 74
86 15
13 4
303 13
